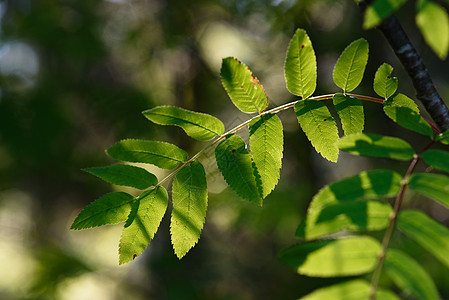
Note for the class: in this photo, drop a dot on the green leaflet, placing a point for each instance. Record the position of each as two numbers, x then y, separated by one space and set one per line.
242 86
348 72
202 127
438 159
350 111
142 223
431 235
111 208
377 146
160 154
300 65
434 186
189 207
405 112
384 84
379 10
124 175
319 127
357 289
433 21
335 197
407 274
236 166
443 138
266 141
330 258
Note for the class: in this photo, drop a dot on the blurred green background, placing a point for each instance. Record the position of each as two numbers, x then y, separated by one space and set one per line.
74 78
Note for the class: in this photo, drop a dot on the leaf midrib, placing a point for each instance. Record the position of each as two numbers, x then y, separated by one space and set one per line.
184 120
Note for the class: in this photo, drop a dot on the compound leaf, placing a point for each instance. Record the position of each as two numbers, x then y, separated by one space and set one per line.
142 223
160 154
111 208
242 86
434 186
330 258
266 142
384 84
319 127
189 207
407 274
379 10
438 159
350 111
236 166
431 235
376 146
348 72
124 175
405 112
200 126
300 65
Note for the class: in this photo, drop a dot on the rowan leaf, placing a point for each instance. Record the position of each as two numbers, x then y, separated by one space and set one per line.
111 208
384 84
160 154
350 111
266 142
331 258
124 175
434 186
376 146
348 72
443 138
380 9
431 235
236 166
438 159
189 207
242 86
300 65
319 127
200 126
142 223
405 112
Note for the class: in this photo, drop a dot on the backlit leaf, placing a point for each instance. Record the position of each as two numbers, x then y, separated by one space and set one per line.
300 65
160 154
385 85
377 146
379 10
236 166
266 142
111 208
202 127
142 223
330 258
124 175
434 186
431 235
242 86
348 71
438 159
443 138
189 207
319 127
350 111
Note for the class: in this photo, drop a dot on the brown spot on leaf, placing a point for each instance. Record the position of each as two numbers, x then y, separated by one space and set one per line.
233 150
255 81
302 46
325 120
134 256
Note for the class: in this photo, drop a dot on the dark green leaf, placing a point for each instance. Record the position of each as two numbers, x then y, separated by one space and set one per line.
379 10
350 111
124 175
434 186
438 159
384 84
443 138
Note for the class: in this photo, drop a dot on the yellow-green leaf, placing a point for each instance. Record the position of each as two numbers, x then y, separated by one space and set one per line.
350 111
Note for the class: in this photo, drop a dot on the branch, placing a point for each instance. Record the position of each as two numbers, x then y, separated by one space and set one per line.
417 71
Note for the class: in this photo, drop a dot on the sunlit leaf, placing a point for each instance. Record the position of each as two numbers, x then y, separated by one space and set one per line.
438 159
434 186
124 175
189 207
160 154
379 10
431 235
242 86
350 111
319 127
405 112
443 138
236 166
202 127
142 223
330 258
111 208
300 65
407 274
266 142
384 84
377 146
348 71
